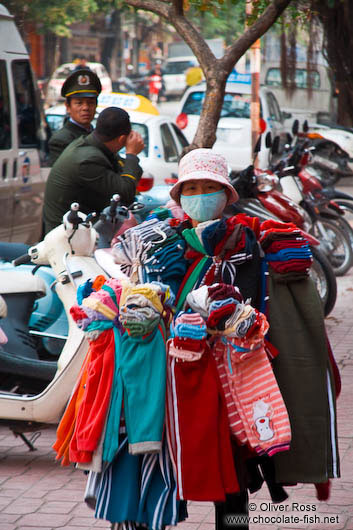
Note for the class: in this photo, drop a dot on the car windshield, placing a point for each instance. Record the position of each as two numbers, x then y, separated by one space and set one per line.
234 105
65 71
56 121
177 67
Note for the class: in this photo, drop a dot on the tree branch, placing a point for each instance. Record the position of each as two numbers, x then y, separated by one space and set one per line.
159 7
174 14
254 32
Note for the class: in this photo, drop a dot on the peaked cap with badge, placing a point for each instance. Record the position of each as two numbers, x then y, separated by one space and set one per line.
82 83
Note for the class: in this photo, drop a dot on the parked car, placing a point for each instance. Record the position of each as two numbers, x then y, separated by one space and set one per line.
174 75
62 72
234 127
163 139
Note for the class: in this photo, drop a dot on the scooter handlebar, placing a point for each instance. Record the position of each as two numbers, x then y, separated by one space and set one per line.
21 260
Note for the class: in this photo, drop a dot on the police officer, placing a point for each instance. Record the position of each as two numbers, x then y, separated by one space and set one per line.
80 91
89 171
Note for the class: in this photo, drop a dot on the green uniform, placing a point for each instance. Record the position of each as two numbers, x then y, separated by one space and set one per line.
62 138
87 172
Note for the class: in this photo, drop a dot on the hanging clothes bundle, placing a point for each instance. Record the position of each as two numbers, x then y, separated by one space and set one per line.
113 425
198 432
176 397
256 411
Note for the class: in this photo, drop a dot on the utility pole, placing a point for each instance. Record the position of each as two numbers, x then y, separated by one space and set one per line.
255 64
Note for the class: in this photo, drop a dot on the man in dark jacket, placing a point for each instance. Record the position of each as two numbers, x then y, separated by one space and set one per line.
89 171
80 91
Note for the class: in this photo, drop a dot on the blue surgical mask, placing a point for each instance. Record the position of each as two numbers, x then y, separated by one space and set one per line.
204 207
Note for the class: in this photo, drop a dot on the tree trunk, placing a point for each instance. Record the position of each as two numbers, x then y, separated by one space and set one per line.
338 45
206 132
112 50
51 53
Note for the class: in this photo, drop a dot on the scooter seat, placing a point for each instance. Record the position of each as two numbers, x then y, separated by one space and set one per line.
29 368
15 281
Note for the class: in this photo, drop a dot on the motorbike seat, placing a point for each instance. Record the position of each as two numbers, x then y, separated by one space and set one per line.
17 282
25 367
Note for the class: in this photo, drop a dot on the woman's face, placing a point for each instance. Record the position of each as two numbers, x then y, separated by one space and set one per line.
200 187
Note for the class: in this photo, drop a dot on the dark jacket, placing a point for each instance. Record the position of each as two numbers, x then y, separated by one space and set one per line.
87 172
62 138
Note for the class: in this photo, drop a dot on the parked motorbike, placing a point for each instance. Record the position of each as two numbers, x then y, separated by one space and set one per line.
33 390
331 156
327 218
257 190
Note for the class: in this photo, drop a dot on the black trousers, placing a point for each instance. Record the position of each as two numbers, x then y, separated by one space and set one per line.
235 505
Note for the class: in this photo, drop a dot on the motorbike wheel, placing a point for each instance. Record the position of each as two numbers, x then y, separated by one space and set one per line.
335 244
348 210
344 224
324 278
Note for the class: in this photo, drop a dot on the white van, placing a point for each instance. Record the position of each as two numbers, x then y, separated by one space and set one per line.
298 104
22 139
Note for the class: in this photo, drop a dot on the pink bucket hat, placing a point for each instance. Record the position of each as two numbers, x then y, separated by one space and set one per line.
203 164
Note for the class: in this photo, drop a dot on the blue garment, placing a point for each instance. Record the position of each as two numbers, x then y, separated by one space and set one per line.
139 380
137 488
286 254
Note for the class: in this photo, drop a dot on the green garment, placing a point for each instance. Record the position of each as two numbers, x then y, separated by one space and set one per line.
62 138
301 369
87 172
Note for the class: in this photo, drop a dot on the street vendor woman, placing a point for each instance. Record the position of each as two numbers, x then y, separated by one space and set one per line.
227 384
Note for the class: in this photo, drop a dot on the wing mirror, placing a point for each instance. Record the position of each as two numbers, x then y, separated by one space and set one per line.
268 140
275 145
295 127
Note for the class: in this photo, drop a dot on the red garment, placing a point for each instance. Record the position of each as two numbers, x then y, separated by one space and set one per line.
284 244
292 265
198 432
220 314
221 291
93 409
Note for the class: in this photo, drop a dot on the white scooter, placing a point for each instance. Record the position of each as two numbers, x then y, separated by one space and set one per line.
71 251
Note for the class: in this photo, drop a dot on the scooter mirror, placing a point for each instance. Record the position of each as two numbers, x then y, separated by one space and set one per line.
275 146
268 140
289 138
295 127
305 126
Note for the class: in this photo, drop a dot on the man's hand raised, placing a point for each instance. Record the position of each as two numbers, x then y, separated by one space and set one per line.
134 143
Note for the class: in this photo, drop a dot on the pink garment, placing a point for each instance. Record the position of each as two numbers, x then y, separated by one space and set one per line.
235 423
176 210
255 392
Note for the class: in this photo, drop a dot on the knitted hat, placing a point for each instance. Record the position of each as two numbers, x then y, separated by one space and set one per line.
203 164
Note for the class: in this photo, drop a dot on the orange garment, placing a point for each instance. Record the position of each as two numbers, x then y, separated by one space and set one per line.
66 426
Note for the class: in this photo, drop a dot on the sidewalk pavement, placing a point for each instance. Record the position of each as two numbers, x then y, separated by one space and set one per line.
36 493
